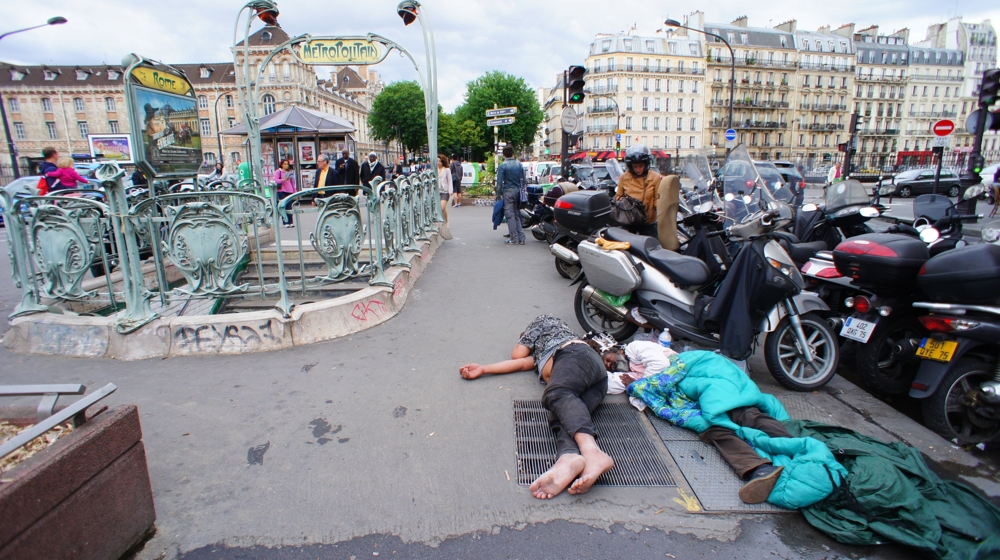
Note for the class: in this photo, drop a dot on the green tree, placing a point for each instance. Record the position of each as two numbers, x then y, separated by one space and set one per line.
504 90
397 113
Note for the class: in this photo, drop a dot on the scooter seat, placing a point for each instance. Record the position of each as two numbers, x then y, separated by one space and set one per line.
802 252
685 270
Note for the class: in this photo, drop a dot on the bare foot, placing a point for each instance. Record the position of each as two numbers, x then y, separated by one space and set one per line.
556 479
598 463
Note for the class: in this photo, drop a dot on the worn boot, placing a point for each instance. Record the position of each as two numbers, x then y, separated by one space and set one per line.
761 482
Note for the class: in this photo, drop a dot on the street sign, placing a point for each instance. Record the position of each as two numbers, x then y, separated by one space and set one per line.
620 132
500 122
504 112
943 127
569 120
941 142
618 137
730 135
973 121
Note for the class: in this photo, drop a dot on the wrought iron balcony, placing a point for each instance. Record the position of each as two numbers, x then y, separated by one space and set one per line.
822 107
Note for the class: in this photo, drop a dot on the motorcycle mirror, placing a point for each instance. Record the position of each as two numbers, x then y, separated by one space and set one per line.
869 212
747 199
930 235
973 192
809 207
729 197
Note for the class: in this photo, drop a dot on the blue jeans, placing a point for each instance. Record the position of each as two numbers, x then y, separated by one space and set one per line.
511 203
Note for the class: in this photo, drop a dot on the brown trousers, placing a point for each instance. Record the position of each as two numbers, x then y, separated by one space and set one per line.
738 453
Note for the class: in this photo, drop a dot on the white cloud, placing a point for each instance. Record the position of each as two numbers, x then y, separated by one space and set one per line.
527 38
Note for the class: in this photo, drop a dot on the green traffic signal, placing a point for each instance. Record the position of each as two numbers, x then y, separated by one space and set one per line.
575 84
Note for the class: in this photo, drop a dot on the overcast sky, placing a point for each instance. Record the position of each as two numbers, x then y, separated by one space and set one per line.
534 39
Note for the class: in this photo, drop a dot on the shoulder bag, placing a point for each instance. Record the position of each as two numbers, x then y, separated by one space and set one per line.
628 211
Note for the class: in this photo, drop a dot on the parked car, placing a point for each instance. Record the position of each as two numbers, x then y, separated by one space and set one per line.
791 177
919 181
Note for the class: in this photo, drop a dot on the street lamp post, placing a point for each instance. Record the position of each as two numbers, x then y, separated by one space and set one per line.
732 60
218 131
3 110
410 11
618 122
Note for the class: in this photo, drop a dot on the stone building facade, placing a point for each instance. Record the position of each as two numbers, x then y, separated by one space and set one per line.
60 105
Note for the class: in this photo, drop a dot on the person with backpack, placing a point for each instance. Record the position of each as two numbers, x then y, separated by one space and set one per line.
510 177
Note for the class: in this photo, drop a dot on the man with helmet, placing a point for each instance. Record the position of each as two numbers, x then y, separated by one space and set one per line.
648 186
576 383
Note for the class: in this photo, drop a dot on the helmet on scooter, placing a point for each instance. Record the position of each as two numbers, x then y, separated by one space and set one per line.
637 153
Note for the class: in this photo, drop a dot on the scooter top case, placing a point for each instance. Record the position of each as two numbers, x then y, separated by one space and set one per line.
583 211
965 275
881 260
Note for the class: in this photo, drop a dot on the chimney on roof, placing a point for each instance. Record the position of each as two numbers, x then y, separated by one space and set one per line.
825 30
790 26
870 30
903 33
740 21
846 30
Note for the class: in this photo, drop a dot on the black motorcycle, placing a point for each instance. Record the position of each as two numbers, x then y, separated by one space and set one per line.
958 378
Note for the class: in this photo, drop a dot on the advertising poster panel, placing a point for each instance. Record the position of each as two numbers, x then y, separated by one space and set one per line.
111 147
169 129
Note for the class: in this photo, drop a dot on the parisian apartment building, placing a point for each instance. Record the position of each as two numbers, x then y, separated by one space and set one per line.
795 91
60 106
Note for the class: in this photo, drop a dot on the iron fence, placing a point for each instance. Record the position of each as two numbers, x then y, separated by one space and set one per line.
165 247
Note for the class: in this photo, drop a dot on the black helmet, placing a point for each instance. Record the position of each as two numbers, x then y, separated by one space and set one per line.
637 153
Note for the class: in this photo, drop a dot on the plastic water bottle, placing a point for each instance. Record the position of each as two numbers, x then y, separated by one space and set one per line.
665 339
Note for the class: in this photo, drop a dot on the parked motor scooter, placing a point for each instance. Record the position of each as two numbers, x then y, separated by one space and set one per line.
649 286
958 378
883 323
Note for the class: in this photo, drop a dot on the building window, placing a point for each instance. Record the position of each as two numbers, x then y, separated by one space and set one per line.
628 103
234 156
611 65
84 130
645 84
202 102
109 103
78 104
645 103
46 104
694 125
51 127
19 131
286 71
209 157
206 127
268 101
232 122
629 84
691 142
205 73
229 101
15 105
656 123
113 127
645 123
50 75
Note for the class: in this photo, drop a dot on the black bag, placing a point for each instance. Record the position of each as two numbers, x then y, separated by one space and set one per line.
628 211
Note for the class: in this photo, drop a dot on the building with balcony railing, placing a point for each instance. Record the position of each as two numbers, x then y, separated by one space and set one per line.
881 75
932 96
978 44
652 88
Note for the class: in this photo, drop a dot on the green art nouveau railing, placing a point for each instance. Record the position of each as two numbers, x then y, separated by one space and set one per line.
203 239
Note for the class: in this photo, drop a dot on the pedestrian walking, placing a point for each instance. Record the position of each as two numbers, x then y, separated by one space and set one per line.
444 183
284 177
370 169
326 176
65 177
510 177
348 169
456 179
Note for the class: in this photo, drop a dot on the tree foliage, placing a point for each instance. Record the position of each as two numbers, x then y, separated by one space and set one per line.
397 113
504 90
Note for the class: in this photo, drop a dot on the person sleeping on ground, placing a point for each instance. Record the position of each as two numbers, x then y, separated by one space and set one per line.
575 384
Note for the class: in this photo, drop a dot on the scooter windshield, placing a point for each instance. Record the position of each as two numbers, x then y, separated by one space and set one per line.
701 197
846 193
615 171
741 185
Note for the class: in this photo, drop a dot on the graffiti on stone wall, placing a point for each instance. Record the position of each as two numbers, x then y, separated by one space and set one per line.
224 338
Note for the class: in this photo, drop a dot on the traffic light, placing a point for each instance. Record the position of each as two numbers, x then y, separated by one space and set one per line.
989 91
575 84
978 162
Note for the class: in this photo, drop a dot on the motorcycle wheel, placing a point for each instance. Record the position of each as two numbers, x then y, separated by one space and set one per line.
946 411
567 270
538 233
783 353
592 319
882 373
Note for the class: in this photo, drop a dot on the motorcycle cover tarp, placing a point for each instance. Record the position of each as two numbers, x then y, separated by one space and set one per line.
891 495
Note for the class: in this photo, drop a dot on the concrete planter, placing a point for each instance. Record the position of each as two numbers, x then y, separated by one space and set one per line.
86 496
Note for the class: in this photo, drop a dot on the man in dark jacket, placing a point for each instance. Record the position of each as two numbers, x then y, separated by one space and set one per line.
348 169
456 179
371 169
326 176
51 155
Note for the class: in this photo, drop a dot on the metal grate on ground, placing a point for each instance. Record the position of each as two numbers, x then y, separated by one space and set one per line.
621 435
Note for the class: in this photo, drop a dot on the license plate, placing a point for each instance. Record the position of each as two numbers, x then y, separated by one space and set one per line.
939 350
856 329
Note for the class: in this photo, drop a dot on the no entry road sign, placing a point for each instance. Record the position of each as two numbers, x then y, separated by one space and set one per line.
943 127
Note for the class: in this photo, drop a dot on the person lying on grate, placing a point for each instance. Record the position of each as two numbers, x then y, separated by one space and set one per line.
648 360
576 383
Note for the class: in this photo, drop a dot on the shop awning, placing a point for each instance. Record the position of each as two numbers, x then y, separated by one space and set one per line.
297 120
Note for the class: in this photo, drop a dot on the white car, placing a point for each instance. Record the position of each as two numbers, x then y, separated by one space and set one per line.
988 173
